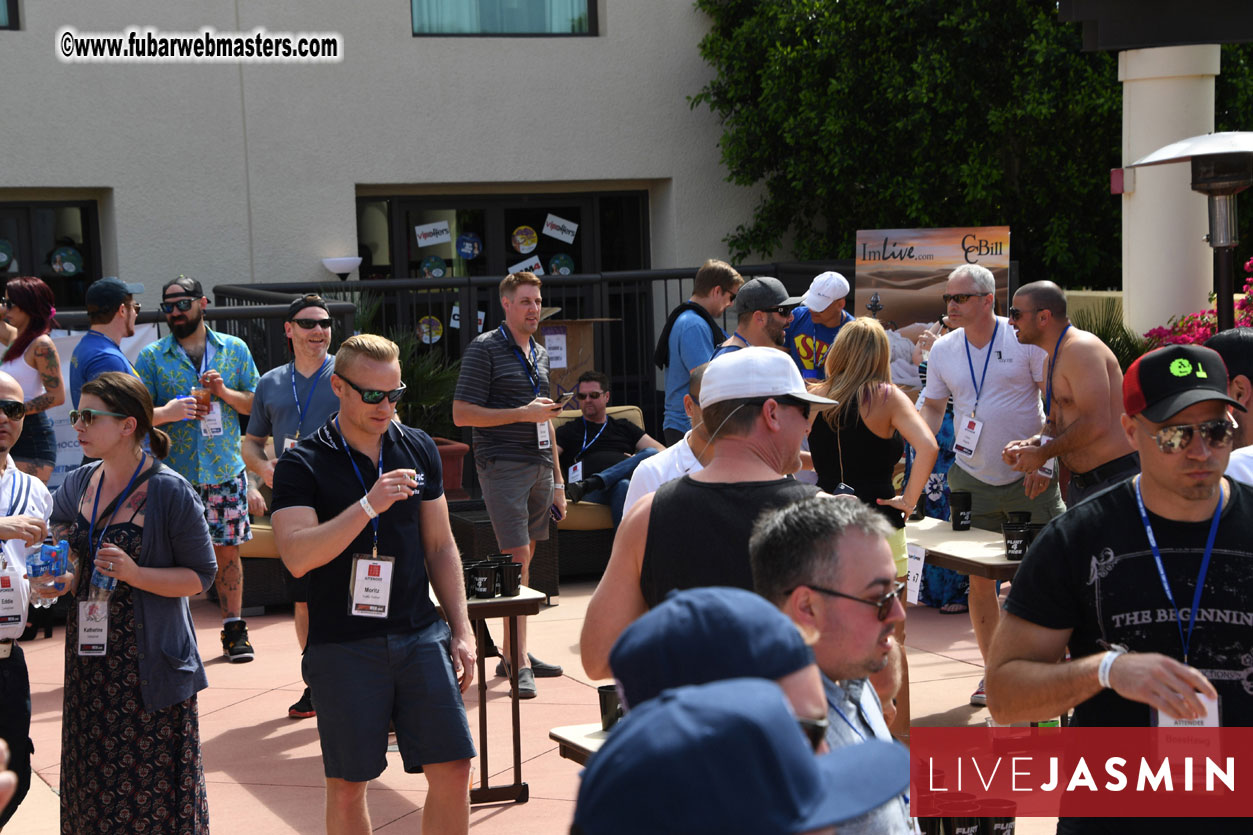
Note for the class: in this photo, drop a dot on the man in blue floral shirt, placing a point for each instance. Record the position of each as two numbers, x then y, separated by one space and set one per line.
204 449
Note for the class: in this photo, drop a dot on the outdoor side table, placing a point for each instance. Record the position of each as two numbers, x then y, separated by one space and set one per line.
974 552
578 742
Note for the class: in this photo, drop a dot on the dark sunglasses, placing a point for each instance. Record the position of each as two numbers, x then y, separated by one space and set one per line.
815 730
1215 433
1015 314
883 604
961 298
794 402
137 306
89 415
182 304
310 324
372 397
13 409
590 395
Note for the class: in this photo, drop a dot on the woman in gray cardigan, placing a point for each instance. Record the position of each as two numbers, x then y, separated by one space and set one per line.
130 741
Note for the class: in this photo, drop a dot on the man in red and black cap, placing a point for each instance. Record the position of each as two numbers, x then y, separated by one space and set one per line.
1148 582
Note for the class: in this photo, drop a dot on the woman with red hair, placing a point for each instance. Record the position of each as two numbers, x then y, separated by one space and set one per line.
31 359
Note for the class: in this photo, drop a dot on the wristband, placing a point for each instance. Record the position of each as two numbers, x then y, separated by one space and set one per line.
1107 662
561 487
369 510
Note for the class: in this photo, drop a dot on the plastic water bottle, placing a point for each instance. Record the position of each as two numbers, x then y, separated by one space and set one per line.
37 566
101 587
61 563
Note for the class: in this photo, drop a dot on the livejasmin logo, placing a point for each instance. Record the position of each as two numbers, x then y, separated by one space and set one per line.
1023 774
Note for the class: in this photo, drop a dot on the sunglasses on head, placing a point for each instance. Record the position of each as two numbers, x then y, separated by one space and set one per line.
310 324
372 397
13 409
1015 314
590 395
89 415
815 730
780 309
1215 433
182 304
883 604
961 298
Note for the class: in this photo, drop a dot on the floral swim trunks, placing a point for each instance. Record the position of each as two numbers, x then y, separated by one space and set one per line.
226 510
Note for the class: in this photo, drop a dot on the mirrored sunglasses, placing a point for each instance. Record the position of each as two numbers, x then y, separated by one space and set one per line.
372 397
1215 433
182 304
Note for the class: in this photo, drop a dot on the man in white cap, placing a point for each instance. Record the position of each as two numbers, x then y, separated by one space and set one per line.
816 322
694 530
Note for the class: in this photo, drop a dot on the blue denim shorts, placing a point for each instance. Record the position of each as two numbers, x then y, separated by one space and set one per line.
360 686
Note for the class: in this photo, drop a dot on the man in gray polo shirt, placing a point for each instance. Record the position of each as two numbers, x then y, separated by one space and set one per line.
502 394
291 402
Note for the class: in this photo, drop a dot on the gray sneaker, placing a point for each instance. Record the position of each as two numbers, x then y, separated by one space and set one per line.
526 684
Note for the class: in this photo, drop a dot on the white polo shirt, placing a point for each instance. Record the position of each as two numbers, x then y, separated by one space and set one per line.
1240 464
1009 400
655 470
21 494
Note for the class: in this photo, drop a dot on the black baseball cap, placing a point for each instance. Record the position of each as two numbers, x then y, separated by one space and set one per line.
191 285
1168 380
306 301
109 292
762 293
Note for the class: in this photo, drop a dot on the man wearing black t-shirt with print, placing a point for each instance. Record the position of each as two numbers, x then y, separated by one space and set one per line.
1114 579
598 453
359 507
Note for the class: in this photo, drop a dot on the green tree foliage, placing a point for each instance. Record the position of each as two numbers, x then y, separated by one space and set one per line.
864 114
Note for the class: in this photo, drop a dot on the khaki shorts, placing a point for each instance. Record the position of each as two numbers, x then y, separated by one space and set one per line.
989 503
518 496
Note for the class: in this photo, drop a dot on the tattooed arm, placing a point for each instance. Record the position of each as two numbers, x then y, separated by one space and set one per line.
48 364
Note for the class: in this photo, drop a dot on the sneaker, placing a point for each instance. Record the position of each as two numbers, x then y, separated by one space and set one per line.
235 645
303 708
543 670
979 698
526 684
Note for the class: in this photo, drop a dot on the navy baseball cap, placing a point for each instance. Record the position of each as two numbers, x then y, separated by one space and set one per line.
729 757
110 291
1168 380
701 635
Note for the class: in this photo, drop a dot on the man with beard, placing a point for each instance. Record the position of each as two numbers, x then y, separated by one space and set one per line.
205 448
763 310
1082 398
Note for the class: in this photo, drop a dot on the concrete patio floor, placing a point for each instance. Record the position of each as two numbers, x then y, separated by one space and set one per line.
264 770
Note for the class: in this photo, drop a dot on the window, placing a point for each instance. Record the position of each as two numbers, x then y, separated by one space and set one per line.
56 241
8 14
503 17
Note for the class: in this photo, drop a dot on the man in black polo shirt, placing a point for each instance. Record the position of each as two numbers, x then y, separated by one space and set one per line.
598 453
359 507
502 393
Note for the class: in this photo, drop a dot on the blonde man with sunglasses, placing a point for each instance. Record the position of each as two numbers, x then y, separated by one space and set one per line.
1147 583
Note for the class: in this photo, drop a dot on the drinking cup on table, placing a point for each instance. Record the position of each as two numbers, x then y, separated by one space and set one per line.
1015 541
959 509
610 706
1018 517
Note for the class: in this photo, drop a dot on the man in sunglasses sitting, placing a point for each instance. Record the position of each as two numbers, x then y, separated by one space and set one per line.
291 402
826 563
204 445
599 453
1113 578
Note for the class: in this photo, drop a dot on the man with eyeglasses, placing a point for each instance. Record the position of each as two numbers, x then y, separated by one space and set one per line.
598 453
826 563
1146 583
995 382
290 403
205 442
694 530
359 509
763 310
1082 398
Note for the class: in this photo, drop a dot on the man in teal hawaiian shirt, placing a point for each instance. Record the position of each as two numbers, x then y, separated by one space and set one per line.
204 449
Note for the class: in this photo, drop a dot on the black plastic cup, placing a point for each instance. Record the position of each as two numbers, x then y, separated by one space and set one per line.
1033 530
500 560
510 574
1015 541
1018 517
610 706
999 818
485 580
961 818
931 826
959 509
467 570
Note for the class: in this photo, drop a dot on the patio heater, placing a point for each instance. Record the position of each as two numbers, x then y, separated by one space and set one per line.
341 266
1222 167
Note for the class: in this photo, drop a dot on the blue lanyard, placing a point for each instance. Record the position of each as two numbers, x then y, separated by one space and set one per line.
357 470
300 410
848 721
741 339
1048 387
979 385
585 442
1161 569
91 528
532 373
19 498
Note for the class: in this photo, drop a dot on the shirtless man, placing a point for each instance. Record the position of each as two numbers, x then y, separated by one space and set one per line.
1082 405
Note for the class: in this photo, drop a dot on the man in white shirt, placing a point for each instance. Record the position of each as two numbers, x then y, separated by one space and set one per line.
995 382
689 455
25 503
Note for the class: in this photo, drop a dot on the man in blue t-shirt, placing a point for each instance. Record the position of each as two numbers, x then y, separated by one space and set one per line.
112 311
689 339
816 322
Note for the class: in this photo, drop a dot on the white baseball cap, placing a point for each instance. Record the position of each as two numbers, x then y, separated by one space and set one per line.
824 289
754 372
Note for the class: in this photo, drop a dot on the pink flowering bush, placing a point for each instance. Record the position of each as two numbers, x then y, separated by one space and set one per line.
1194 328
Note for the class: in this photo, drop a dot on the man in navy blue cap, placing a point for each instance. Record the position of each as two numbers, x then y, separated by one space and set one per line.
1147 582
729 757
710 634
112 311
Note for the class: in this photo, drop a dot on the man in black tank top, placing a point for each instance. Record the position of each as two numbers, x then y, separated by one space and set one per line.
694 530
